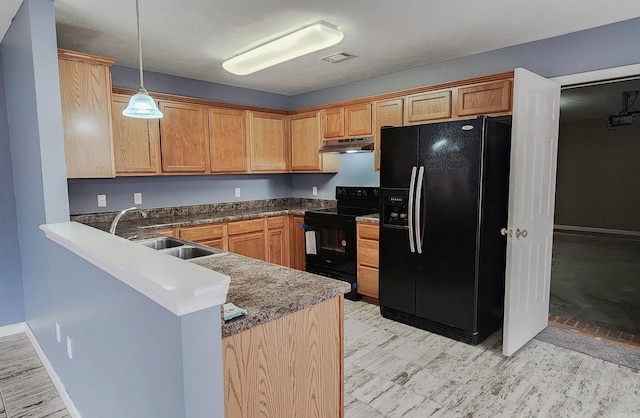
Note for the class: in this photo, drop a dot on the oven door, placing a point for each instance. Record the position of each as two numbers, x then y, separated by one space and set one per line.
330 243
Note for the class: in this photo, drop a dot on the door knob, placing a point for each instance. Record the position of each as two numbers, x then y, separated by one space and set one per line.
520 233
506 232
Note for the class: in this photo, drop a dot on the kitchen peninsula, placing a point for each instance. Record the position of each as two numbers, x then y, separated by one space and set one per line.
285 356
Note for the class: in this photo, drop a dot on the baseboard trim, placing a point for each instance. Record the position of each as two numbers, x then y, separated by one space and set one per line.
570 228
62 391
12 329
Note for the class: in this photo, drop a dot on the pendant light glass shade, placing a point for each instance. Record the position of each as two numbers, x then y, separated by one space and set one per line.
141 105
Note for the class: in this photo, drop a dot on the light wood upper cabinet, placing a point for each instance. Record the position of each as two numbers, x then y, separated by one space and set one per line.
306 140
358 119
484 98
228 140
269 142
85 90
333 123
136 142
385 113
346 121
184 138
425 107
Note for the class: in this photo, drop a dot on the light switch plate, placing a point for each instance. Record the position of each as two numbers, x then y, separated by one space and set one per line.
237 192
137 198
314 191
69 352
102 200
57 332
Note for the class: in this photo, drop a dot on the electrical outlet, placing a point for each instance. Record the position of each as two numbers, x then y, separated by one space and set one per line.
102 200
57 332
314 191
69 351
237 192
137 198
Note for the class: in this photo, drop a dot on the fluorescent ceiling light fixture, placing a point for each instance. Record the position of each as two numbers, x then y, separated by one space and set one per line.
141 105
309 39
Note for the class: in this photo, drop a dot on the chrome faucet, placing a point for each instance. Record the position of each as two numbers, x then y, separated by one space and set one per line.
114 224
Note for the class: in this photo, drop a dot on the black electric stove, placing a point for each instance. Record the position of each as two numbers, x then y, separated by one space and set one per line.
330 234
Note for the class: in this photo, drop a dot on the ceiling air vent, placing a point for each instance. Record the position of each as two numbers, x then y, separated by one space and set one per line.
340 56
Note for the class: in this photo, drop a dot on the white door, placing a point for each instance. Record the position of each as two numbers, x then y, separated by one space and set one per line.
534 147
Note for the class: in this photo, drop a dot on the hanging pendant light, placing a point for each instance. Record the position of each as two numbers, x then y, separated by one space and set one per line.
141 105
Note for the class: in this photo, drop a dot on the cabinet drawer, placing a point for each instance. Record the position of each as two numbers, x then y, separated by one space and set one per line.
368 252
215 243
368 281
274 222
171 232
242 227
368 231
202 232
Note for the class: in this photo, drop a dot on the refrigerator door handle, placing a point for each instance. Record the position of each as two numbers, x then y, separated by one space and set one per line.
412 185
418 199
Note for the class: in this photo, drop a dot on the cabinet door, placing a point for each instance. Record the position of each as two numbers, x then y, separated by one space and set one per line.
85 91
251 245
228 140
305 142
333 123
296 243
269 137
484 98
426 107
358 119
278 240
184 138
386 113
136 142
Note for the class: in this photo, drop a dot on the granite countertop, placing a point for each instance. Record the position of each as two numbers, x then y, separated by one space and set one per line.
268 291
370 219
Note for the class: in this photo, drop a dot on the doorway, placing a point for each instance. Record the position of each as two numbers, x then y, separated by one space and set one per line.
595 276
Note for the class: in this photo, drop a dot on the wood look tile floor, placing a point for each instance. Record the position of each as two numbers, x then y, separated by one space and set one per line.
25 387
394 370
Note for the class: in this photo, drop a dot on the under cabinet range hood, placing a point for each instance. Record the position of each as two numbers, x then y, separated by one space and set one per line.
348 145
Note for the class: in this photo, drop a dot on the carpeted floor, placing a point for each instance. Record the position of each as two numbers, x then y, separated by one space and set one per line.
596 279
604 350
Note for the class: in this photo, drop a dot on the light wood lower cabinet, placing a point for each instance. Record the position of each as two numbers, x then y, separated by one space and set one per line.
278 240
290 367
368 250
170 232
296 242
248 238
213 235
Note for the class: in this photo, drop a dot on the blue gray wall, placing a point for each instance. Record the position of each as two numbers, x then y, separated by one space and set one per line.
603 47
11 294
129 352
593 49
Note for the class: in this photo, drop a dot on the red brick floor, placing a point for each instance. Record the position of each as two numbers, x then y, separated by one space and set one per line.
595 330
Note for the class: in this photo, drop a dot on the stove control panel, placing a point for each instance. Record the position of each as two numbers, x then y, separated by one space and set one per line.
357 192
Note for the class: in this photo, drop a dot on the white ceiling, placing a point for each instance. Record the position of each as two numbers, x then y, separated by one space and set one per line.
8 9
191 38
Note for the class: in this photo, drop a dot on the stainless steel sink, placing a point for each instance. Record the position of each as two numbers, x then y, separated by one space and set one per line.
187 252
160 243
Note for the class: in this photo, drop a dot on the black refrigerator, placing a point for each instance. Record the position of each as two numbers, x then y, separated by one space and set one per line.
443 201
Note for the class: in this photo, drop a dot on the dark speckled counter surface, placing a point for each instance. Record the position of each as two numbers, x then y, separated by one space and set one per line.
369 219
267 291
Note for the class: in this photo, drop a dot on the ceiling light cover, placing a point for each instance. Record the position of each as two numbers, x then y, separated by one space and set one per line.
141 105
311 38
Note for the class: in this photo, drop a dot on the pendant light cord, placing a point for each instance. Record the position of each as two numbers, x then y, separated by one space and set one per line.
139 43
